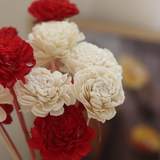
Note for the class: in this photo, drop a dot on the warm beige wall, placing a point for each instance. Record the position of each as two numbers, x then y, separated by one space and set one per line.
142 14
14 13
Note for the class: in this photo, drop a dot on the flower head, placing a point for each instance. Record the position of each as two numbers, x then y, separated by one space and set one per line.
53 39
47 10
85 54
44 92
16 58
99 90
65 137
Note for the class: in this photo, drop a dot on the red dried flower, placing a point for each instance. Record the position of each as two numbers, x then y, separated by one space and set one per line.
8 108
65 137
16 58
8 30
47 10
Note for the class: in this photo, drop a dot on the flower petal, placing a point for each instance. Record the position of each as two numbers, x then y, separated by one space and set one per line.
36 113
3 115
48 107
57 113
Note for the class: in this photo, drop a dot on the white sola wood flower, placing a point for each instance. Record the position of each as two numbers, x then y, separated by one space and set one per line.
5 97
99 90
86 54
44 92
53 39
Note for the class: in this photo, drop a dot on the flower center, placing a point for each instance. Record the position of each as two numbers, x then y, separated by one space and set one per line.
102 88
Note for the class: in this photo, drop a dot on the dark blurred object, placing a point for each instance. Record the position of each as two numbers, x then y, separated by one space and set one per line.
141 106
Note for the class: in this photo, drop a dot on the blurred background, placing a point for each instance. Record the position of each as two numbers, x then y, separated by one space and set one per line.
130 29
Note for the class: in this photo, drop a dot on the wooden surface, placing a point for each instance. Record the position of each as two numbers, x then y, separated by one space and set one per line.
128 32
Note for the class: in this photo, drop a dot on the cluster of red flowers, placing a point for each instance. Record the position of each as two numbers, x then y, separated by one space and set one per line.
65 137
47 10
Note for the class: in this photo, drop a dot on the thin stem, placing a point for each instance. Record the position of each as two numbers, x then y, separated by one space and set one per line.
8 145
100 134
57 64
10 141
22 122
88 120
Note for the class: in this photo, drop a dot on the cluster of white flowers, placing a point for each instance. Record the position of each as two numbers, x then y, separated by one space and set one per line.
97 75
5 97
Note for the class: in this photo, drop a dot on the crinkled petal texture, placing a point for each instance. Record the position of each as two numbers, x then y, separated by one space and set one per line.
85 54
53 39
47 10
5 111
16 58
65 137
44 92
8 30
99 90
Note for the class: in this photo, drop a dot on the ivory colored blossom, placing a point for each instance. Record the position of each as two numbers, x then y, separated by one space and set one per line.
53 39
86 54
5 98
44 92
99 90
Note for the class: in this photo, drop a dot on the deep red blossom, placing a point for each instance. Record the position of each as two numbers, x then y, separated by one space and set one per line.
16 58
8 108
65 137
47 10
8 30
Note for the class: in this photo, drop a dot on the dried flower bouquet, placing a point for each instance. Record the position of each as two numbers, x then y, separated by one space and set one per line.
60 130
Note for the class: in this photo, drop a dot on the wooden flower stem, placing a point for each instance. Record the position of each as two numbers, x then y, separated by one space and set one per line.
22 122
8 144
88 120
11 146
56 64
